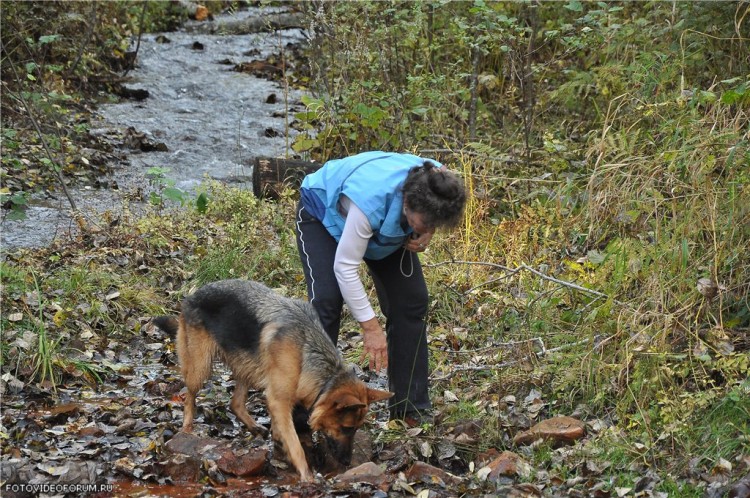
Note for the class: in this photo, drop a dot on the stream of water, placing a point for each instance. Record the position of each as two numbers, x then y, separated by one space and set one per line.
213 121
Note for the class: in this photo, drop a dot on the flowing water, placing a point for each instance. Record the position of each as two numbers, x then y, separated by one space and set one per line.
213 121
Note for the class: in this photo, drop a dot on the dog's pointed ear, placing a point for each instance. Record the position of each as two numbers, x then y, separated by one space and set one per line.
374 395
348 402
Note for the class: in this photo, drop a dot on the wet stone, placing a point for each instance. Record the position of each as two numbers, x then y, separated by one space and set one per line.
252 463
182 468
238 462
368 473
430 475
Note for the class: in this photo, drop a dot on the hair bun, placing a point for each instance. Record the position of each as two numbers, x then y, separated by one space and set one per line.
441 185
436 193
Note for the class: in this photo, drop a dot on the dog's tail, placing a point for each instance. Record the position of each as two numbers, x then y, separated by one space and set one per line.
168 324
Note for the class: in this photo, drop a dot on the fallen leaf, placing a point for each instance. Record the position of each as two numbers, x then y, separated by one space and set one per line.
426 449
446 450
483 473
53 469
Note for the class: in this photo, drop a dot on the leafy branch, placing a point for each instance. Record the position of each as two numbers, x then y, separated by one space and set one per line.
56 165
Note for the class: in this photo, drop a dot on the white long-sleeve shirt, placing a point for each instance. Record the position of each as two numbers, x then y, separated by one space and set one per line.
349 254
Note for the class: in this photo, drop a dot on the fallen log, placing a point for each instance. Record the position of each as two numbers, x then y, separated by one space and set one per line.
272 174
263 23
194 10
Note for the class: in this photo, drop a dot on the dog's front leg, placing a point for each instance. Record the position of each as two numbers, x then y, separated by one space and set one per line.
281 391
283 431
188 412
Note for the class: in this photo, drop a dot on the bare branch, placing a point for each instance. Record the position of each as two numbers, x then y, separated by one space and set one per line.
524 266
539 354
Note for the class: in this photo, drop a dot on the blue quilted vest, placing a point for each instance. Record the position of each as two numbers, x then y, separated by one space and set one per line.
372 180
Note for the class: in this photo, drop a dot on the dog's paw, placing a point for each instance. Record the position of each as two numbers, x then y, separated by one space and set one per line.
259 430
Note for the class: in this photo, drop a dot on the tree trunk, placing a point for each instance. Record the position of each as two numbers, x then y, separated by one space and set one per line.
271 175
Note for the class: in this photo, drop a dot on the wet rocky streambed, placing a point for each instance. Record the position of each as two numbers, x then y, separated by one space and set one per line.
201 104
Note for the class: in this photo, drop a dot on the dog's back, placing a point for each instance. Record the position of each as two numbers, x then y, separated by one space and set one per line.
235 312
231 312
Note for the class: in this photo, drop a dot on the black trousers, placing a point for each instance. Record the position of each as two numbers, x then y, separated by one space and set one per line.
402 294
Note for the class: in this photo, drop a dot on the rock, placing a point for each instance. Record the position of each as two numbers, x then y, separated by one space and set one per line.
558 430
365 469
741 489
250 464
396 457
483 459
428 474
182 468
61 413
362 448
228 460
471 428
91 431
368 472
192 445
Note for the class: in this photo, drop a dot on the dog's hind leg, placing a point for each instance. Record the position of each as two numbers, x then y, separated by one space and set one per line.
239 408
196 351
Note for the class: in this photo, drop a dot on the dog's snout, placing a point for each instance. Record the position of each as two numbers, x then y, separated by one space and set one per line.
341 449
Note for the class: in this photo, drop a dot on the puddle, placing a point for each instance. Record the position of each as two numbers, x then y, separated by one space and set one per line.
213 121
240 487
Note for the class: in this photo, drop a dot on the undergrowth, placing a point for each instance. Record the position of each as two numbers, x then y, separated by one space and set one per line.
603 257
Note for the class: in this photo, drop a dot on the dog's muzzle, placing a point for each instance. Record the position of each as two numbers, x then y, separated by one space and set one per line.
341 452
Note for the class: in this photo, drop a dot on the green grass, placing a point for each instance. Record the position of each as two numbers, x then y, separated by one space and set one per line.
45 359
221 263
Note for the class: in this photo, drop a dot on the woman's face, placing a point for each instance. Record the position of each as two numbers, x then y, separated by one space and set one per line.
416 221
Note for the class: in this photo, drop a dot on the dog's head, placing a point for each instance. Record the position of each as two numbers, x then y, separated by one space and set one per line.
340 412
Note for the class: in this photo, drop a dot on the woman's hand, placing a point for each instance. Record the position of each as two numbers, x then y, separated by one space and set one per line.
375 345
418 241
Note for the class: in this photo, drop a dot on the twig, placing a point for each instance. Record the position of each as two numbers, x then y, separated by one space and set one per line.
524 266
492 281
538 354
131 61
86 39
474 92
566 284
500 345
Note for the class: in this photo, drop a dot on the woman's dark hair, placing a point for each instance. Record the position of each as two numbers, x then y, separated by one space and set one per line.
435 193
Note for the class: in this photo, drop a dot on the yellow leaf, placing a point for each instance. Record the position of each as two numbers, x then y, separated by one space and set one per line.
60 318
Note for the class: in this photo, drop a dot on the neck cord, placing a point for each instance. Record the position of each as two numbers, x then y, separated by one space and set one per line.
401 265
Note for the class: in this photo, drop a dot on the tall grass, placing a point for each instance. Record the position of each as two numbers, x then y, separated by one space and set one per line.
45 358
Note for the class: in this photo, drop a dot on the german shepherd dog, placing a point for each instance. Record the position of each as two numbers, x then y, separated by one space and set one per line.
277 344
